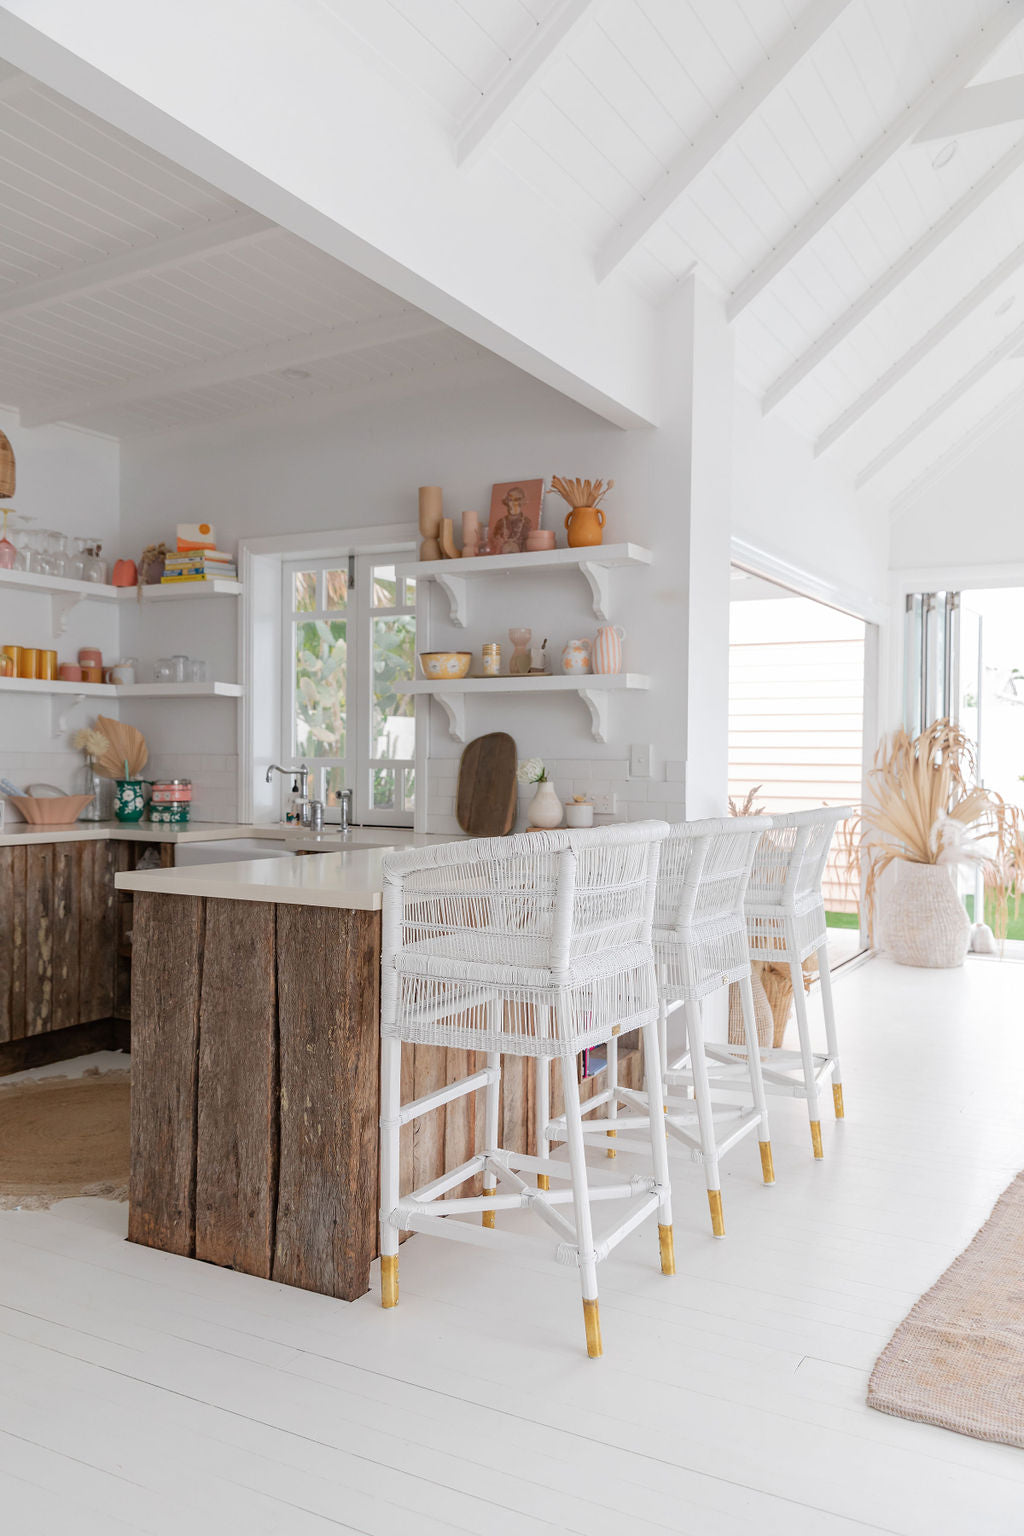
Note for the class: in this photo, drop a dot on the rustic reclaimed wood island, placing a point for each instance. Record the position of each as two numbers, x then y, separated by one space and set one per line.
255 1070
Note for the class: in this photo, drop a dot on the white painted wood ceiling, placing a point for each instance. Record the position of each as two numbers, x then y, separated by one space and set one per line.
875 278
135 298
633 94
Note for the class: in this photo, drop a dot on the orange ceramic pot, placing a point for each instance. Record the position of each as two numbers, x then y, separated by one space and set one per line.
126 574
584 526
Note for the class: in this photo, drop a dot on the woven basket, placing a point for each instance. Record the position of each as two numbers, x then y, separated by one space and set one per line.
6 467
762 1013
922 920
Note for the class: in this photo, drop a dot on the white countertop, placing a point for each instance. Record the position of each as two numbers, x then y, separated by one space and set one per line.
352 880
19 833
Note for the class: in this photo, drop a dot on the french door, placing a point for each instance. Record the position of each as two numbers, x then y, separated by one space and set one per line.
349 645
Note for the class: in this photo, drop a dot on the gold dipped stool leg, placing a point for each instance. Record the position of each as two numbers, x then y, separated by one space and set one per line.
717 1218
767 1163
816 1140
837 1099
389 1280
667 1247
592 1323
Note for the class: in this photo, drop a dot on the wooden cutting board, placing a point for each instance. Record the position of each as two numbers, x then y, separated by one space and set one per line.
485 802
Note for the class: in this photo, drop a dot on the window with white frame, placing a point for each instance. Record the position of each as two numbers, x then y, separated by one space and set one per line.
349 646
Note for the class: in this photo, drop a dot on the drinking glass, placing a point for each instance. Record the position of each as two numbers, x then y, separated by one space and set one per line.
76 564
59 553
95 568
198 670
163 672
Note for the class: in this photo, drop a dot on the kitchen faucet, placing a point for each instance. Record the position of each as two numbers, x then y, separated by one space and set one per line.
306 815
345 803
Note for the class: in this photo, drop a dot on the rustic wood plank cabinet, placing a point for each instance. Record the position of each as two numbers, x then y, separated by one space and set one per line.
255 1084
65 947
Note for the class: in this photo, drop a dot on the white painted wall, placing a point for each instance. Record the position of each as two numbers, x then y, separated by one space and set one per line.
66 480
971 515
800 509
255 478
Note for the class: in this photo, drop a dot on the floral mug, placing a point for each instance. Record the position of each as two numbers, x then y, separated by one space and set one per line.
130 801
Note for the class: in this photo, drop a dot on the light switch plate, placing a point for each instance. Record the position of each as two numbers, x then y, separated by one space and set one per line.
640 754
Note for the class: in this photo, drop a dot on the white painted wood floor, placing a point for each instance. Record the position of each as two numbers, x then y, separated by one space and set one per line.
145 1393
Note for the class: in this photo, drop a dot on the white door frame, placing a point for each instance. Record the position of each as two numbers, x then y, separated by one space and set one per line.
880 645
260 619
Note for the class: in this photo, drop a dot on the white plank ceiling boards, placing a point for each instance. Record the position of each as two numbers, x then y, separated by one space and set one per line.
848 174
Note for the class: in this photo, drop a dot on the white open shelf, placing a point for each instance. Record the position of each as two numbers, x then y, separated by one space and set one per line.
65 696
594 689
65 594
596 563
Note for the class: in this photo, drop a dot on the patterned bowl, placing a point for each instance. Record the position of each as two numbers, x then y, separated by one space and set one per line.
441 666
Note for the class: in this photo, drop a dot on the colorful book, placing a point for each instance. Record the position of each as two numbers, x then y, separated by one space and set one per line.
167 581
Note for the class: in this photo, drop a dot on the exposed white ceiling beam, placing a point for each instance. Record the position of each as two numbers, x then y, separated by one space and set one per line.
78 282
890 280
979 106
1006 348
716 133
521 75
408 325
968 61
920 350
13 85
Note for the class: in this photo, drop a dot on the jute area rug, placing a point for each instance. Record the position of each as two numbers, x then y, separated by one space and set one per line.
64 1136
957 1360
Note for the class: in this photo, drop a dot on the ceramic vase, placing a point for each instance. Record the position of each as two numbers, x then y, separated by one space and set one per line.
584 525
470 535
922 920
131 799
545 807
607 650
576 657
431 513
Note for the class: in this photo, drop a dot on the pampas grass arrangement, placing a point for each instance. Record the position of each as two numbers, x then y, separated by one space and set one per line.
922 806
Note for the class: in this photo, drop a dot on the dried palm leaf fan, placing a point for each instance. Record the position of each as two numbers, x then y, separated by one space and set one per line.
7 476
127 753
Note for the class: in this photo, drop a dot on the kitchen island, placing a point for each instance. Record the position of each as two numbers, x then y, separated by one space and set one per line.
255 1069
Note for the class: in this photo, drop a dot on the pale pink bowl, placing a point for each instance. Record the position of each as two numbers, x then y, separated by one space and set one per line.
51 811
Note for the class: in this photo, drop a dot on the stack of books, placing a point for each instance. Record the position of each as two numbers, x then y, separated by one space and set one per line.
199 565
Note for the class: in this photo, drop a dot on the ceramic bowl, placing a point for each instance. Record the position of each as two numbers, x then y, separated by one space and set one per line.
441 666
51 810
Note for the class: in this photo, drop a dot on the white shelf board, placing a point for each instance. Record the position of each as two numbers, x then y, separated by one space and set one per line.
65 594
594 689
595 562
216 587
121 690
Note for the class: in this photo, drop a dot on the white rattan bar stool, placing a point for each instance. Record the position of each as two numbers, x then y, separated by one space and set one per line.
786 923
533 945
700 946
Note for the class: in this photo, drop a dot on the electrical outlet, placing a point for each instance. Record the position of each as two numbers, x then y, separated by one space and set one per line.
604 805
640 754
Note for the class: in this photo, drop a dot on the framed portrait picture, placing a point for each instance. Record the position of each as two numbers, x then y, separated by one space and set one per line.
515 512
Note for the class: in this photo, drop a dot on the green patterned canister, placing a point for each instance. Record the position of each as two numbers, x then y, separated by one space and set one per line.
131 799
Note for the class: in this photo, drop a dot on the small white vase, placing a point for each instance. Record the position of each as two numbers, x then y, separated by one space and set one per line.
922 920
545 807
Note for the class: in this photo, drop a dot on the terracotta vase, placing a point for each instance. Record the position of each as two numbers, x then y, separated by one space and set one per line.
545 807
584 526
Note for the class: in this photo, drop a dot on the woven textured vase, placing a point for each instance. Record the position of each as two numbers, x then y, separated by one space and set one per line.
762 1013
922 919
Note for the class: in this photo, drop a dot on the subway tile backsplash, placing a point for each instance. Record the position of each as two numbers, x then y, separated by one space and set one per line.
635 799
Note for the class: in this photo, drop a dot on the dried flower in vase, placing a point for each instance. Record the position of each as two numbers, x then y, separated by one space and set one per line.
585 520
90 741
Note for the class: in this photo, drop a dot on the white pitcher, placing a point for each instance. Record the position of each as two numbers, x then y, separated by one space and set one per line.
576 656
608 648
